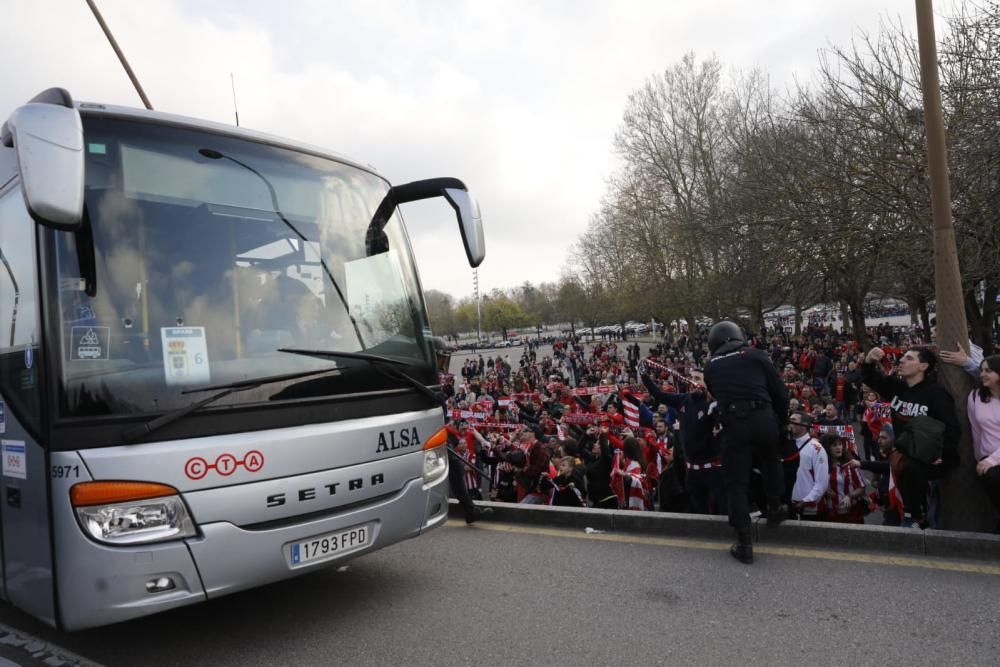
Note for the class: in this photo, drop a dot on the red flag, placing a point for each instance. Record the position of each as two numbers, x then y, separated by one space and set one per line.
617 483
895 500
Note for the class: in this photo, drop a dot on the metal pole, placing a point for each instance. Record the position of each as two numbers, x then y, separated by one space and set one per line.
470 466
236 111
961 508
951 327
121 56
479 312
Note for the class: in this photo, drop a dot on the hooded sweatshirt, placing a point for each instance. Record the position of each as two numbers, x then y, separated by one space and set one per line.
926 398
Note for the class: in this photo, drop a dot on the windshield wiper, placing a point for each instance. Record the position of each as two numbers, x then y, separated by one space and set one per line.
380 363
337 354
135 432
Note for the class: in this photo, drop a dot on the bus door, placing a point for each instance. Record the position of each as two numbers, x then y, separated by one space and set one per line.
26 535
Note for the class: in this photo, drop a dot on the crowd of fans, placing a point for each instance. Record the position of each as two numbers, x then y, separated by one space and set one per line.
607 425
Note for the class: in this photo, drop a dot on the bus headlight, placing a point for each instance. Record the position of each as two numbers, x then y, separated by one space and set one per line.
435 457
435 464
131 512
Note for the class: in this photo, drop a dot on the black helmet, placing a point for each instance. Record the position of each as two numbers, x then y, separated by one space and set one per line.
722 333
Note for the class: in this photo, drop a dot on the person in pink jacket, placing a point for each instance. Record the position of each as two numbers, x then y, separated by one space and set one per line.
984 418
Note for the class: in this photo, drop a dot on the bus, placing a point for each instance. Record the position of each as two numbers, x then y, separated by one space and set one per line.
216 369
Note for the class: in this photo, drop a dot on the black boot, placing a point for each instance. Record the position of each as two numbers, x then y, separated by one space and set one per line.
776 512
743 549
474 513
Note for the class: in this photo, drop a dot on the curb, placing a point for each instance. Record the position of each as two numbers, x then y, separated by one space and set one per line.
885 539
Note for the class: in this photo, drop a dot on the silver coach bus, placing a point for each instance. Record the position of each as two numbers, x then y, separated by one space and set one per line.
214 361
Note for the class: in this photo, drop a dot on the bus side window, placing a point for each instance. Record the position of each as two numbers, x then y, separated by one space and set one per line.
20 365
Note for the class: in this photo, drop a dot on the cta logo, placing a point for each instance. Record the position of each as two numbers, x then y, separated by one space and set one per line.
225 464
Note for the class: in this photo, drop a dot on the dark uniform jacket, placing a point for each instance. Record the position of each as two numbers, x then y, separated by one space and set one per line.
747 376
696 422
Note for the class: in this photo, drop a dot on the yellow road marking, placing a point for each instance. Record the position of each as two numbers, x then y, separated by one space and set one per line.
795 552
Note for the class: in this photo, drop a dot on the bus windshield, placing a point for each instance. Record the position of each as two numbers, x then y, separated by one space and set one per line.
202 255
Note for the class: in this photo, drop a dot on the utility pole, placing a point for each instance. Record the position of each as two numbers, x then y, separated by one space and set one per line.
479 310
964 505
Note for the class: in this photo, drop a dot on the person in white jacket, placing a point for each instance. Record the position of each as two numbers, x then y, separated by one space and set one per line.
813 476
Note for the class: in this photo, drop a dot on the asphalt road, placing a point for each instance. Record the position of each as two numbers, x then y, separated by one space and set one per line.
496 594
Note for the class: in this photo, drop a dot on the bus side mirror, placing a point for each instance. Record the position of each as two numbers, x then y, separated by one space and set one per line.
48 140
470 222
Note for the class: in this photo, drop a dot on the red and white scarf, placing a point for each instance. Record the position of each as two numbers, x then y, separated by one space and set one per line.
633 497
470 475
843 480
631 413
664 453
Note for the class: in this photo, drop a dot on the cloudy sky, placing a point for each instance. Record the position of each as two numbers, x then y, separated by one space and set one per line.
521 100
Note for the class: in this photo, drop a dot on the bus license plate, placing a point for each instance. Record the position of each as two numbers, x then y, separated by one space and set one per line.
323 547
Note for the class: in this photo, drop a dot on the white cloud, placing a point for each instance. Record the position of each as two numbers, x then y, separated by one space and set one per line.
521 100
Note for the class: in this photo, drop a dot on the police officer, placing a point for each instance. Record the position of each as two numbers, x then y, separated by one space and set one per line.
753 411
456 467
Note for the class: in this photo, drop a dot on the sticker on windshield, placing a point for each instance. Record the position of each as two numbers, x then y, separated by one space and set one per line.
15 459
185 355
89 343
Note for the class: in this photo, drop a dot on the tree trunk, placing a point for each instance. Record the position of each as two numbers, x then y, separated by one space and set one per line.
857 309
798 317
845 316
925 319
914 311
757 316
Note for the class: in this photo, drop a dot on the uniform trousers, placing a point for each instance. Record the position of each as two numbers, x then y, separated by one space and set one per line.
707 491
745 438
459 491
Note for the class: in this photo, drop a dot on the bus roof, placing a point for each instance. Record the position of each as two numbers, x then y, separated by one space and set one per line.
8 158
159 117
